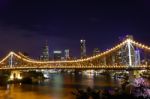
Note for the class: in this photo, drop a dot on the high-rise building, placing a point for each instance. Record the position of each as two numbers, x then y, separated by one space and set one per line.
137 58
67 56
96 51
45 53
57 55
83 48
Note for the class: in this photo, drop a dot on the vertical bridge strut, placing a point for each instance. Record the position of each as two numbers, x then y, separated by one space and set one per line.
129 52
11 59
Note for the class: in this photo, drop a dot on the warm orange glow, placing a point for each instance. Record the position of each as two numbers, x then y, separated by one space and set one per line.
77 63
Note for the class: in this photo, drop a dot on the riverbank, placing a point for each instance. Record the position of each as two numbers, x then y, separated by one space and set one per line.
30 77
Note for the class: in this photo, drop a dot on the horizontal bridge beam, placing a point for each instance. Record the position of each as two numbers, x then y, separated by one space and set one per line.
108 68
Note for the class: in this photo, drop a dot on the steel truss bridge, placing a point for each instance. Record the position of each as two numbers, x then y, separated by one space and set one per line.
121 57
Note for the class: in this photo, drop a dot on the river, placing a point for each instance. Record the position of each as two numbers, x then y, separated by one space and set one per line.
58 86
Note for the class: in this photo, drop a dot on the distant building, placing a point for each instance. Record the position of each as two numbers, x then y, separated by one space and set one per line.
83 48
63 58
96 51
45 53
57 55
67 54
137 58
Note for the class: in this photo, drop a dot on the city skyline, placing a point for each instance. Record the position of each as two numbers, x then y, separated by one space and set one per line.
26 24
49 54
74 49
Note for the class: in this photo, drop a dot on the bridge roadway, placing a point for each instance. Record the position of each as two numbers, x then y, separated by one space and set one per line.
143 67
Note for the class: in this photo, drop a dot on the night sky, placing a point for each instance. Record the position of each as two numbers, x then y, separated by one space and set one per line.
25 25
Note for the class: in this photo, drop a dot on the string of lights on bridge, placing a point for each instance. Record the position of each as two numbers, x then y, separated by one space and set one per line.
27 59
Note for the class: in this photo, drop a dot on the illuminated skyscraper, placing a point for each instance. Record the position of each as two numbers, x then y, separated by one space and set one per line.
57 55
137 58
83 48
45 53
67 56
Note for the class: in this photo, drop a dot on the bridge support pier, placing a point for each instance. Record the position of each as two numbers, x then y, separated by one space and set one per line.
15 75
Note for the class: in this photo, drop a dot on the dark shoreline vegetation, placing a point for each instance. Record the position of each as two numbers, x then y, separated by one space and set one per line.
134 90
105 94
4 76
31 77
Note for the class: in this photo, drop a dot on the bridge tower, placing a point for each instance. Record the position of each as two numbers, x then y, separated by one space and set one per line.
11 60
128 52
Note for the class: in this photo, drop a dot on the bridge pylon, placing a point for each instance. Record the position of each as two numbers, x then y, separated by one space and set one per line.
11 60
131 52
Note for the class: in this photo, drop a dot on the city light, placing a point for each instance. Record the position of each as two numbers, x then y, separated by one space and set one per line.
76 63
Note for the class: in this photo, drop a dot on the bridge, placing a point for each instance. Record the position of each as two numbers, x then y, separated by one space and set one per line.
128 54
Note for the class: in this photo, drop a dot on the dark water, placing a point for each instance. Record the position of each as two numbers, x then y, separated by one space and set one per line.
58 86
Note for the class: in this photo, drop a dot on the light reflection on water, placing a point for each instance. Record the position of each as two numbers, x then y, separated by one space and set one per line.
59 86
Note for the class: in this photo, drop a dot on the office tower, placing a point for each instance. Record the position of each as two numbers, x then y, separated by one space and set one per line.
137 58
45 52
57 55
67 56
83 48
